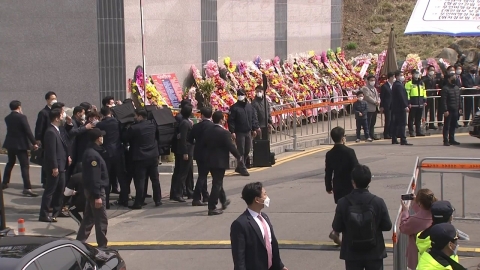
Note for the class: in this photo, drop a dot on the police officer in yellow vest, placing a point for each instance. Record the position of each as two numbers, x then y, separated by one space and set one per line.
442 212
444 247
417 99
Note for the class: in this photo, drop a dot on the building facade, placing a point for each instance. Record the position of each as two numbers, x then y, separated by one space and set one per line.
85 50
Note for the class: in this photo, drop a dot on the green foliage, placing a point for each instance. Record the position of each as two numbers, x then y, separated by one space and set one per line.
351 46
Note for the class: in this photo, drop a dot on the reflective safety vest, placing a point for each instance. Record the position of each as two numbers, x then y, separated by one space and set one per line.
425 244
417 94
427 262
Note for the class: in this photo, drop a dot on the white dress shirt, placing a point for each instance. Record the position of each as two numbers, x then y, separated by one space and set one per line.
259 222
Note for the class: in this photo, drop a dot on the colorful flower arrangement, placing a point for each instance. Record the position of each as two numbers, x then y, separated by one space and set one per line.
221 90
412 62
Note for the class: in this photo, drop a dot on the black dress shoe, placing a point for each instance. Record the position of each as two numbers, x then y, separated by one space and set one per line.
158 203
178 199
197 203
29 192
225 204
124 204
405 143
446 144
135 207
205 199
215 212
47 219
420 135
148 196
4 186
387 138
412 135
62 214
394 142
454 143
375 138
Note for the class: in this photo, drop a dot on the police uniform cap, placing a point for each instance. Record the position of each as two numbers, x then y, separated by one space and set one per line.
95 133
415 71
441 211
441 234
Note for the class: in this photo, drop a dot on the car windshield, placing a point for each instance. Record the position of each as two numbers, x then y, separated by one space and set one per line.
16 251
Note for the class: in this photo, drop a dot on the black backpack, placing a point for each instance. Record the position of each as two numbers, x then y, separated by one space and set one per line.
361 225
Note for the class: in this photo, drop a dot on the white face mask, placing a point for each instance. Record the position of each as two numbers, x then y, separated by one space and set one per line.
64 115
266 202
455 250
415 76
431 73
451 72
259 94
372 83
402 79
100 140
53 102
94 122
459 71
83 117
241 98
360 98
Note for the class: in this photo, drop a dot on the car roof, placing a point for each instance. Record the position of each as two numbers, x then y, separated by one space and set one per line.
16 249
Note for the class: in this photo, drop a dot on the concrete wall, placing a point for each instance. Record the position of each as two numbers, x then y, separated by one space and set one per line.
47 45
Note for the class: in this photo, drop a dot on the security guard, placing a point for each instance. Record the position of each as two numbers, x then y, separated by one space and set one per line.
442 212
444 249
417 99
95 180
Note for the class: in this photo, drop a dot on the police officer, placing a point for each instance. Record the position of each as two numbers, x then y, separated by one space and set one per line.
444 249
142 137
417 99
95 180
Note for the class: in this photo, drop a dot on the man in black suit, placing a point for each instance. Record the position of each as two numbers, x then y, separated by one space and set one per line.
142 137
400 108
196 138
386 104
56 163
363 246
432 81
254 245
17 142
43 121
218 144
115 159
470 82
77 129
339 163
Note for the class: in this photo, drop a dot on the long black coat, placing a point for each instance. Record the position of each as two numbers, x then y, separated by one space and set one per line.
339 163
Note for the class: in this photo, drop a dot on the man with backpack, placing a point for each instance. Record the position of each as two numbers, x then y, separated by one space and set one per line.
362 217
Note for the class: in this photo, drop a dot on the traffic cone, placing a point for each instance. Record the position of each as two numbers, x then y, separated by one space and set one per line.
21 226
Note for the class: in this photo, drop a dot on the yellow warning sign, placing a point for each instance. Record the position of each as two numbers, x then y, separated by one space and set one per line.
456 166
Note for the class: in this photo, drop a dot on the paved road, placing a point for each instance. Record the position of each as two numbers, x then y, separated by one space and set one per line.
300 208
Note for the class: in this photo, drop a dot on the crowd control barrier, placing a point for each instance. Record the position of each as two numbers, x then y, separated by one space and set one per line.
400 240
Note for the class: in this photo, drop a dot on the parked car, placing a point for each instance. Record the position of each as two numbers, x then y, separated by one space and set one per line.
474 127
51 253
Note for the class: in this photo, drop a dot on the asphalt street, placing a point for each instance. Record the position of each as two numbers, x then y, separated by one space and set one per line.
179 236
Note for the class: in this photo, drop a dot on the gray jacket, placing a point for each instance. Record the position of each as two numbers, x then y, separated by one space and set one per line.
259 106
371 96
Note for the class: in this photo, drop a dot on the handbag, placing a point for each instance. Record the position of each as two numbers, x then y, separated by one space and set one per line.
37 156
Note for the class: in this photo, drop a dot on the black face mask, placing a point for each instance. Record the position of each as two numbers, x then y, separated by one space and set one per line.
452 82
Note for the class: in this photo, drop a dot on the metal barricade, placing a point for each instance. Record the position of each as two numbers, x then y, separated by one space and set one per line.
400 240
447 166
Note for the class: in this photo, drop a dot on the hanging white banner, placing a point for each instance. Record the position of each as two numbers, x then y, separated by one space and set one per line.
445 17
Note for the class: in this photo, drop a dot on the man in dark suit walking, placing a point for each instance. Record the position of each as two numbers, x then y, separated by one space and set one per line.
339 163
56 163
386 104
253 241
43 121
399 109
76 129
17 142
218 144
196 137
142 137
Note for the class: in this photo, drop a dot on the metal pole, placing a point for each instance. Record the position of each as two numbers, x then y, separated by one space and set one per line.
463 195
295 129
143 55
441 186
3 226
329 124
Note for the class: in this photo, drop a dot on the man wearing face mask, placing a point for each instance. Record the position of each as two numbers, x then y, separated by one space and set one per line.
95 182
451 105
258 103
372 98
417 99
77 129
42 123
470 81
248 251
386 104
243 124
432 82
400 108
108 101
444 246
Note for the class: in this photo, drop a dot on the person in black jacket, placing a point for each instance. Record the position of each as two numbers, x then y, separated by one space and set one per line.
95 181
386 104
432 81
360 108
142 137
41 125
183 154
470 82
77 129
218 146
400 108
451 104
258 103
115 159
18 141
196 137
243 124
364 258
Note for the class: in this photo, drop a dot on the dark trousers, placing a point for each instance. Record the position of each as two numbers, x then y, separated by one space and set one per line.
372 121
116 170
364 265
53 194
201 189
75 214
217 192
143 170
181 172
362 123
388 123
398 126
24 167
244 144
94 216
415 118
189 186
43 175
431 110
449 125
469 107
